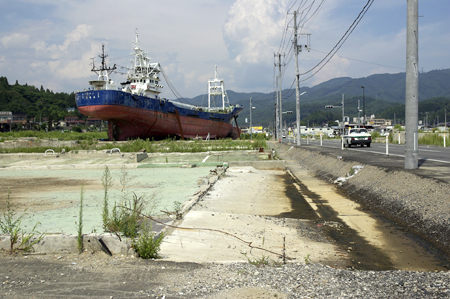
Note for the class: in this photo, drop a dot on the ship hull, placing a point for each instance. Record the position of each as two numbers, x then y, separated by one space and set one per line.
131 116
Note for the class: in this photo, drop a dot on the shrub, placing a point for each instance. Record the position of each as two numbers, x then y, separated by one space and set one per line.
147 244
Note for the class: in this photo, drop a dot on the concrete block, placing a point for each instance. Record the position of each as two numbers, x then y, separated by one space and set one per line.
57 244
140 156
114 245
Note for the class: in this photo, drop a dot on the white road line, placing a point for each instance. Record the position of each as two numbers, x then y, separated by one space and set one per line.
204 160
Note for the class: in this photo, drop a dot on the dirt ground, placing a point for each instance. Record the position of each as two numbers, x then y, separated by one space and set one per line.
21 188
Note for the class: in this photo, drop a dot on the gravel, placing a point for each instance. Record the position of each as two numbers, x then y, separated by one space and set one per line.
75 276
312 280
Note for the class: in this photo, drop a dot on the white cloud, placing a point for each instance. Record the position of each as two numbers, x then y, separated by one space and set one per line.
15 40
253 29
82 31
335 68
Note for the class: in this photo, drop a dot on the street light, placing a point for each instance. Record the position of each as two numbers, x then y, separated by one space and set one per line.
364 108
342 107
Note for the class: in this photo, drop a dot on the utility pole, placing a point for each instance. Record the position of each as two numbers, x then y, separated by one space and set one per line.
343 117
359 116
298 49
297 83
412 86
280 105
277 106
251 128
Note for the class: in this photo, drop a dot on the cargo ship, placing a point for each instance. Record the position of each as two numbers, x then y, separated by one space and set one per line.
134 108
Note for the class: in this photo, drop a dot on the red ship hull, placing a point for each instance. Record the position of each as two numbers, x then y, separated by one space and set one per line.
129 122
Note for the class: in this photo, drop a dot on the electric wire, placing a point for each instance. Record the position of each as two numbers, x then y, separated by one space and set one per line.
390 66
339 44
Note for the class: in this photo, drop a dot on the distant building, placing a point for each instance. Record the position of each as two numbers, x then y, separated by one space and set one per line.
72 121
379 122
5 116
94 121
20 118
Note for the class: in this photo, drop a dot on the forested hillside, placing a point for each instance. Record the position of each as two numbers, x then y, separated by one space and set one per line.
35 102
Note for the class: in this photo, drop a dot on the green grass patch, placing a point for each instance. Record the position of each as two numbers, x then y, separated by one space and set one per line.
164 146
432 139
54 135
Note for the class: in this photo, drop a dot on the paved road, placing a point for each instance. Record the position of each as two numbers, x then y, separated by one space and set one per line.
438 154
434 162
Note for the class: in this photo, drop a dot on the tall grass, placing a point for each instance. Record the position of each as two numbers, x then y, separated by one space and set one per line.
164 146
54 135
432 139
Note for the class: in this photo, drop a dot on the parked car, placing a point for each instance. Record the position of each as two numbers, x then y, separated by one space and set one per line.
357 136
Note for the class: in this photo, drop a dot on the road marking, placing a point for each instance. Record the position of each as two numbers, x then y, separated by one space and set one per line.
204 160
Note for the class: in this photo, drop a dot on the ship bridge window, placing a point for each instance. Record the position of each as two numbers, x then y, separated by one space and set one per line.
156 82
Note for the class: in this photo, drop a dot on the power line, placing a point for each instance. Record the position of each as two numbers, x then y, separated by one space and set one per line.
339 44
390 66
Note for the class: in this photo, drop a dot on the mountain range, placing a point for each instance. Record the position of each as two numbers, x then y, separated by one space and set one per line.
383 96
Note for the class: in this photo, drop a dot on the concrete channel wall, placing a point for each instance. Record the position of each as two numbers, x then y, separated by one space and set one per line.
273 164
418 203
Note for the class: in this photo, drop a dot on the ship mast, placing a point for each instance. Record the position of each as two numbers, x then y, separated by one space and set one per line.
103 72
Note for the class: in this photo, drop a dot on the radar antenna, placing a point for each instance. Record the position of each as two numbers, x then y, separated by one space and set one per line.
103 68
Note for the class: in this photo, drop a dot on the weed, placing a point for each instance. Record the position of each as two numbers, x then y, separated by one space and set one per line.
351 172
107 183
307 259
125 217
177 209
80 222
391 138
10 225
147 244
262 261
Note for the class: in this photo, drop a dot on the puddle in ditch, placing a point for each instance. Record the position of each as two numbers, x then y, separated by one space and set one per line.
371 241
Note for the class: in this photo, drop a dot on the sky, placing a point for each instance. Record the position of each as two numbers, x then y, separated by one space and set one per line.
52 43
